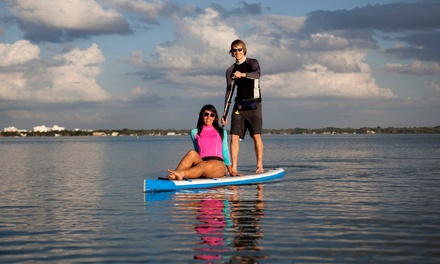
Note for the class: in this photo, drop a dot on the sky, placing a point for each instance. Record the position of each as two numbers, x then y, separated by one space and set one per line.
114 64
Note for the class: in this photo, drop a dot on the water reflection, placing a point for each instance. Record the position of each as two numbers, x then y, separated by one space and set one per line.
227 221
212 215
246 216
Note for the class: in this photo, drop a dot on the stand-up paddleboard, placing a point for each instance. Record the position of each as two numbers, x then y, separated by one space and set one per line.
169 185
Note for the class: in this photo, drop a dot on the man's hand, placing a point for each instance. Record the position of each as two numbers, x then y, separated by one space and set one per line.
224 121
238 74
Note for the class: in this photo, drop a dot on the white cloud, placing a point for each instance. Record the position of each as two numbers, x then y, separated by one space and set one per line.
346 60
207 28
20 52
147 10
87 117
323 66
140 95
70 78
76 79
200 43
27 115
325 41
270 24
288 71
71 14
303 60
415 68
316 80
435 87
199 49
136 59
433 96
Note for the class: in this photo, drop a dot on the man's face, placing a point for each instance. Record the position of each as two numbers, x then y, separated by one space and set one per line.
238 52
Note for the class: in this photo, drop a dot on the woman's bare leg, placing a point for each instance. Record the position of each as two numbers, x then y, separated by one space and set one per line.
208 169
189 160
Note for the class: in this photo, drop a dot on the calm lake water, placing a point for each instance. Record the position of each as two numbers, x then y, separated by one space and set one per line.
344 199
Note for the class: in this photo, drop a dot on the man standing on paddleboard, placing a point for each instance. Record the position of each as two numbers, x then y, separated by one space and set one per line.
247 112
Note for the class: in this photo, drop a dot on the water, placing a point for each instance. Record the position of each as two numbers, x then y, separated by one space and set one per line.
344 199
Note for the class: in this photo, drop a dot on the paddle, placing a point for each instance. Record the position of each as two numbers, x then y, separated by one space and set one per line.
228 104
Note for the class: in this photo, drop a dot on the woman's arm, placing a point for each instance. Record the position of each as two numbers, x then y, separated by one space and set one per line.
193 139
225 149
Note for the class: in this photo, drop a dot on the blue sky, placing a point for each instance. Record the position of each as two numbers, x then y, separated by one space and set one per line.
153 64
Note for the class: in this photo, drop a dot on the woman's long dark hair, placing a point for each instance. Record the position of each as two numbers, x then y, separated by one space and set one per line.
215 124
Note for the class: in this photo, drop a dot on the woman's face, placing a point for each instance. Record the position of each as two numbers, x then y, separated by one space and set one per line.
208 117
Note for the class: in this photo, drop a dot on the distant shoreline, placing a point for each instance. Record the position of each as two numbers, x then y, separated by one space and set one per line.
177 132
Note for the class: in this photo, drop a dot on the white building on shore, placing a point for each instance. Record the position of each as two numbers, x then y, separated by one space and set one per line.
43 128
14 129
58 128
10 129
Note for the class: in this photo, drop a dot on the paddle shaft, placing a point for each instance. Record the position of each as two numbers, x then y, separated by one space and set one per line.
228 104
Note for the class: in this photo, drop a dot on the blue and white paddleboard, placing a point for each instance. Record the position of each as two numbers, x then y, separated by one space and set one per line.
169 185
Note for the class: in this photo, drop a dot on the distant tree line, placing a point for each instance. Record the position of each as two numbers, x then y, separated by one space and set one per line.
287 131
362 130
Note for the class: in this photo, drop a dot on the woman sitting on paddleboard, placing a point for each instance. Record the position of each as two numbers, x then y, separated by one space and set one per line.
210 152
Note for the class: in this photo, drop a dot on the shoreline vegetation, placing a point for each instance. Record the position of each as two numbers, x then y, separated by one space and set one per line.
178 132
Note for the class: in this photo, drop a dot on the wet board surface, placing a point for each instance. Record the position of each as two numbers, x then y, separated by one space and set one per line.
169 185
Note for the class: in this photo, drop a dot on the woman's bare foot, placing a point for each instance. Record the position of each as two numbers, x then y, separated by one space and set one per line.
259 170
174 175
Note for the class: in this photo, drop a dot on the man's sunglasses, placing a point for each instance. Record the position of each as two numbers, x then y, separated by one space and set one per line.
235 50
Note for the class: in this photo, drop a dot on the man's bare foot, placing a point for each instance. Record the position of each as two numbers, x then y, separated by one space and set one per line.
174 175
259 170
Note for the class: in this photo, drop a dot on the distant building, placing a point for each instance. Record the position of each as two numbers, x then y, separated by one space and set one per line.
83 130
10 129
97 133
58 128
44 128
14 130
